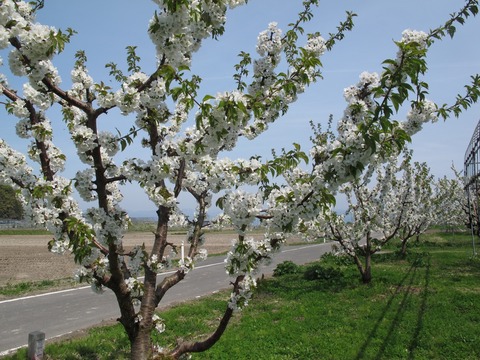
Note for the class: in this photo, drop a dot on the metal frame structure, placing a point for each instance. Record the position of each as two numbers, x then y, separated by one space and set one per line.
472 159
472 182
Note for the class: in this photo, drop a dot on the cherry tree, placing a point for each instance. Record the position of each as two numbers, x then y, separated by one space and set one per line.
379 212
422 212
183 159
186 134
451 203
366 136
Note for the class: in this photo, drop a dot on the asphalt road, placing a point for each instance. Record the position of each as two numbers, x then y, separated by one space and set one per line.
63 312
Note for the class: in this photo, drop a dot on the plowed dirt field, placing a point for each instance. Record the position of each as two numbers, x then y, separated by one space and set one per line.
26 258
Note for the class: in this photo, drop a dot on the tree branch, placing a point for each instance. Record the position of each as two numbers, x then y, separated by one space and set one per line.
199 346
166 284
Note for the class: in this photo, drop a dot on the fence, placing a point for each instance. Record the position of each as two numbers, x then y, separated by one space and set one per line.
13 224
471 181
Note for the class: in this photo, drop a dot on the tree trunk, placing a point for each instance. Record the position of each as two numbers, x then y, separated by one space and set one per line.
138 332
141 346
367 270
403 249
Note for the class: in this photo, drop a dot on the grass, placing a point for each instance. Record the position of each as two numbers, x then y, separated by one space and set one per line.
24 232
425 306
29 287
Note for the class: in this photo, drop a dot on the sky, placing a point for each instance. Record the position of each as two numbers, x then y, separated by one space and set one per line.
106 27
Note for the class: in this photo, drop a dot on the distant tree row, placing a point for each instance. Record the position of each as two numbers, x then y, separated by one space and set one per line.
10 207
402 204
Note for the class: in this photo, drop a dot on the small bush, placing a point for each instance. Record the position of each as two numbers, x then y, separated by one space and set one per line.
338 260
389 256
319 272
286 267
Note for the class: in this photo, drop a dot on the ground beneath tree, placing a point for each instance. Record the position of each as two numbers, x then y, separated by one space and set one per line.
25 258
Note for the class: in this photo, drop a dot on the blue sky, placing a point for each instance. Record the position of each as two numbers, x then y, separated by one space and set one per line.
106 27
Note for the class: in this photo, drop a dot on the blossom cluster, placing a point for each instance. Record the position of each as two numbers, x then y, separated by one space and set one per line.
422 113
241 297
158 323
270 42
108 228
135 286
242 208
419 38
246 255
177 34
16 22
45 201
219 128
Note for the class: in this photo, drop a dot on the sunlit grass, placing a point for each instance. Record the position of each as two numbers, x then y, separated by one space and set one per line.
422 307
29 287
23 232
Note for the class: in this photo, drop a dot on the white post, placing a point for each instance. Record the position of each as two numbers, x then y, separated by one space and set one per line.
183 251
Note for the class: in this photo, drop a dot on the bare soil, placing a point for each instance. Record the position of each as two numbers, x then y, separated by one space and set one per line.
25 258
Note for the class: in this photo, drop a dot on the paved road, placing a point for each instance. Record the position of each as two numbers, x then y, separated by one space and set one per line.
62 312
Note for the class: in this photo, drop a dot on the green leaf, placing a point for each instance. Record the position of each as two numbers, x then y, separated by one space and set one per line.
132 59
219 202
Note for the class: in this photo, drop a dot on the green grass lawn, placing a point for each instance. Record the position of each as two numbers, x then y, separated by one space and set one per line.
4 232
426 306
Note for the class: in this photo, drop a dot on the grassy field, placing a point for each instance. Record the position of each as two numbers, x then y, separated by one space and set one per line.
29 287
426 306
23 232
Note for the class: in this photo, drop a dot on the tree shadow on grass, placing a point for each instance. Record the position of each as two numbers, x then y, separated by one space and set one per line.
404 290
421 312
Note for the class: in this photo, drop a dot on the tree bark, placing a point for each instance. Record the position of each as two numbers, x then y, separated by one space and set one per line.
403 249
141 346
367 270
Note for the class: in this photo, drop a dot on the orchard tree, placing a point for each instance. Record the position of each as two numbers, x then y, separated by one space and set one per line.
422 211
451 203
182 159
186 159
379 212
366 134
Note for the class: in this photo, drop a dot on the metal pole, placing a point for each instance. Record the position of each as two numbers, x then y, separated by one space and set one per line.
471 221
471 173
